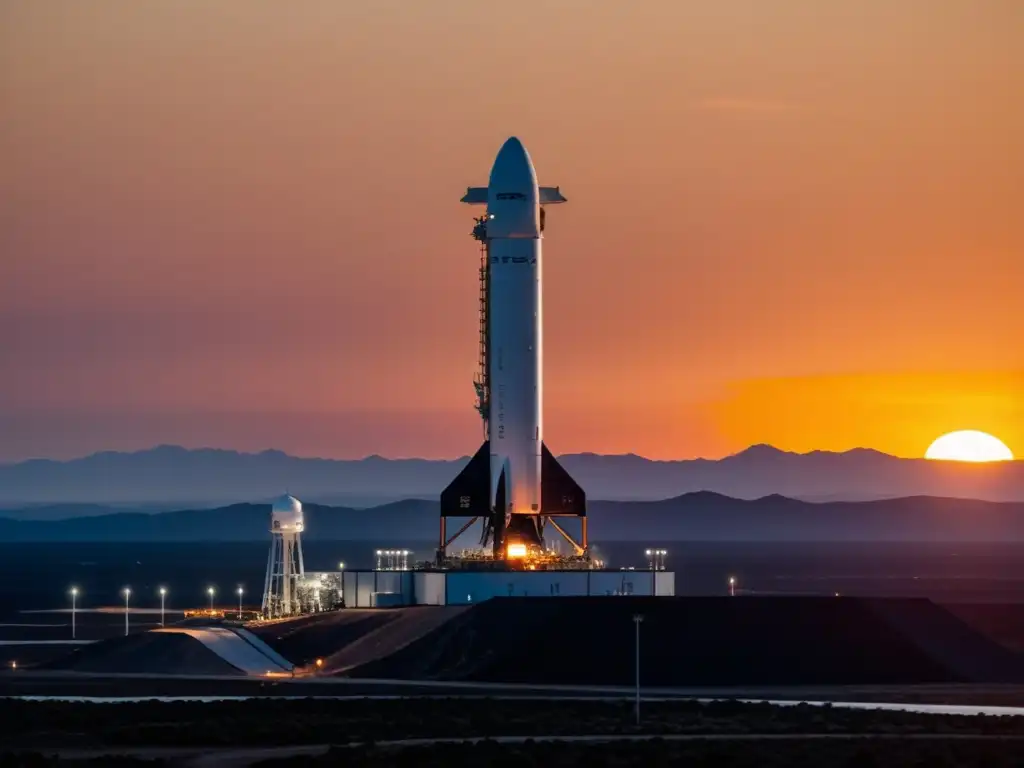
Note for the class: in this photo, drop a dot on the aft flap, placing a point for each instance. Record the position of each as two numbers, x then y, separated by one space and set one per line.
467 495
560 494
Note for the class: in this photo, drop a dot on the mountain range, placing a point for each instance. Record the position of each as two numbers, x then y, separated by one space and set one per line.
701 516
168 477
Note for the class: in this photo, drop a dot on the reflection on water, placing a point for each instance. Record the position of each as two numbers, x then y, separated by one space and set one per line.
921 709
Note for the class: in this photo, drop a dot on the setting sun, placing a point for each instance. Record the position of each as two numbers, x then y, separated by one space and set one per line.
969 445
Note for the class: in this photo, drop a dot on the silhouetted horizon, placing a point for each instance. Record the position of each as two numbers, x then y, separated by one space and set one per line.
166 476
754 448
696 516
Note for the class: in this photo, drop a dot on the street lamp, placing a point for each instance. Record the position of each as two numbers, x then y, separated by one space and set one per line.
74 596
211 592
163 598
127 594
241 591
732 586
638 620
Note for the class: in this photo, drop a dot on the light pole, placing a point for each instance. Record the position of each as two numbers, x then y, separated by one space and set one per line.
127 594
732 586
211 592
240 592
637 620
163 597
341 590
74 600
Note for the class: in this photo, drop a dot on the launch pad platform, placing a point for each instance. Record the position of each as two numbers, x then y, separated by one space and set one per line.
466 586
516 559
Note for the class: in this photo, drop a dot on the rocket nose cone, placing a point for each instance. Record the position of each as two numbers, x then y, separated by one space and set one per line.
513 169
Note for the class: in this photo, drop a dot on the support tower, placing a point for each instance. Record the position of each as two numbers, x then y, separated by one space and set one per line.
285 569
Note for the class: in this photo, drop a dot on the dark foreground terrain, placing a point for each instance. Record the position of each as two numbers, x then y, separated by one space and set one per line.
1002 622
685 641
543 733
736 752
75 725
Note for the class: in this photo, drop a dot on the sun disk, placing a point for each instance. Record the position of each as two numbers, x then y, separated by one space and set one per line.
969 445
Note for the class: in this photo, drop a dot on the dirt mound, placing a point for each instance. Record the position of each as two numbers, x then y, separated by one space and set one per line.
710 641
308 638
968 653
352 636
152 653
407 626
1002 622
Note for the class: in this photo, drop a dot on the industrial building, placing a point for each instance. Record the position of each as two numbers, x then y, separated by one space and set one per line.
381 589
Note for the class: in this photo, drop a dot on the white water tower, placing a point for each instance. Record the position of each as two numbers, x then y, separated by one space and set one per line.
284 564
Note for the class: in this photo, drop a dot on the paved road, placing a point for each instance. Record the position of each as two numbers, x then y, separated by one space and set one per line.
240 758
64 684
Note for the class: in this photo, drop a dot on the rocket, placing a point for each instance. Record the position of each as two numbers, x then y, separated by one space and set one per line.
513 481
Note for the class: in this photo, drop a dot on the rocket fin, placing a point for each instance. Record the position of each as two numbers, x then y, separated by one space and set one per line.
560 494
468 495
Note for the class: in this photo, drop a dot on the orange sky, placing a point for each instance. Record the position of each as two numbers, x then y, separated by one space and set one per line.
236 222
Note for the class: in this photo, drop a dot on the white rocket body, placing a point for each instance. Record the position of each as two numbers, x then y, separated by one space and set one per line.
515 322
513 481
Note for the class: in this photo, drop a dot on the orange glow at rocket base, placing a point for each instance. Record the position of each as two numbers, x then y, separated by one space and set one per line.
515 551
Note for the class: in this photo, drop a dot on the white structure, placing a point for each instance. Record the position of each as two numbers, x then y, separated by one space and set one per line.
285 570
387 589
514 231
319 591
393 559
513 482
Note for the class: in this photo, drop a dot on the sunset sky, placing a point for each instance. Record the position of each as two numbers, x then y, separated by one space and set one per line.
236 223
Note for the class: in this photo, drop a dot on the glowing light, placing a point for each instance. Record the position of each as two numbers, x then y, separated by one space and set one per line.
516 550
969 445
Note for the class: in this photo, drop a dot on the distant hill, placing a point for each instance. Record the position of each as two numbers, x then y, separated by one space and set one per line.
696 517
170 475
